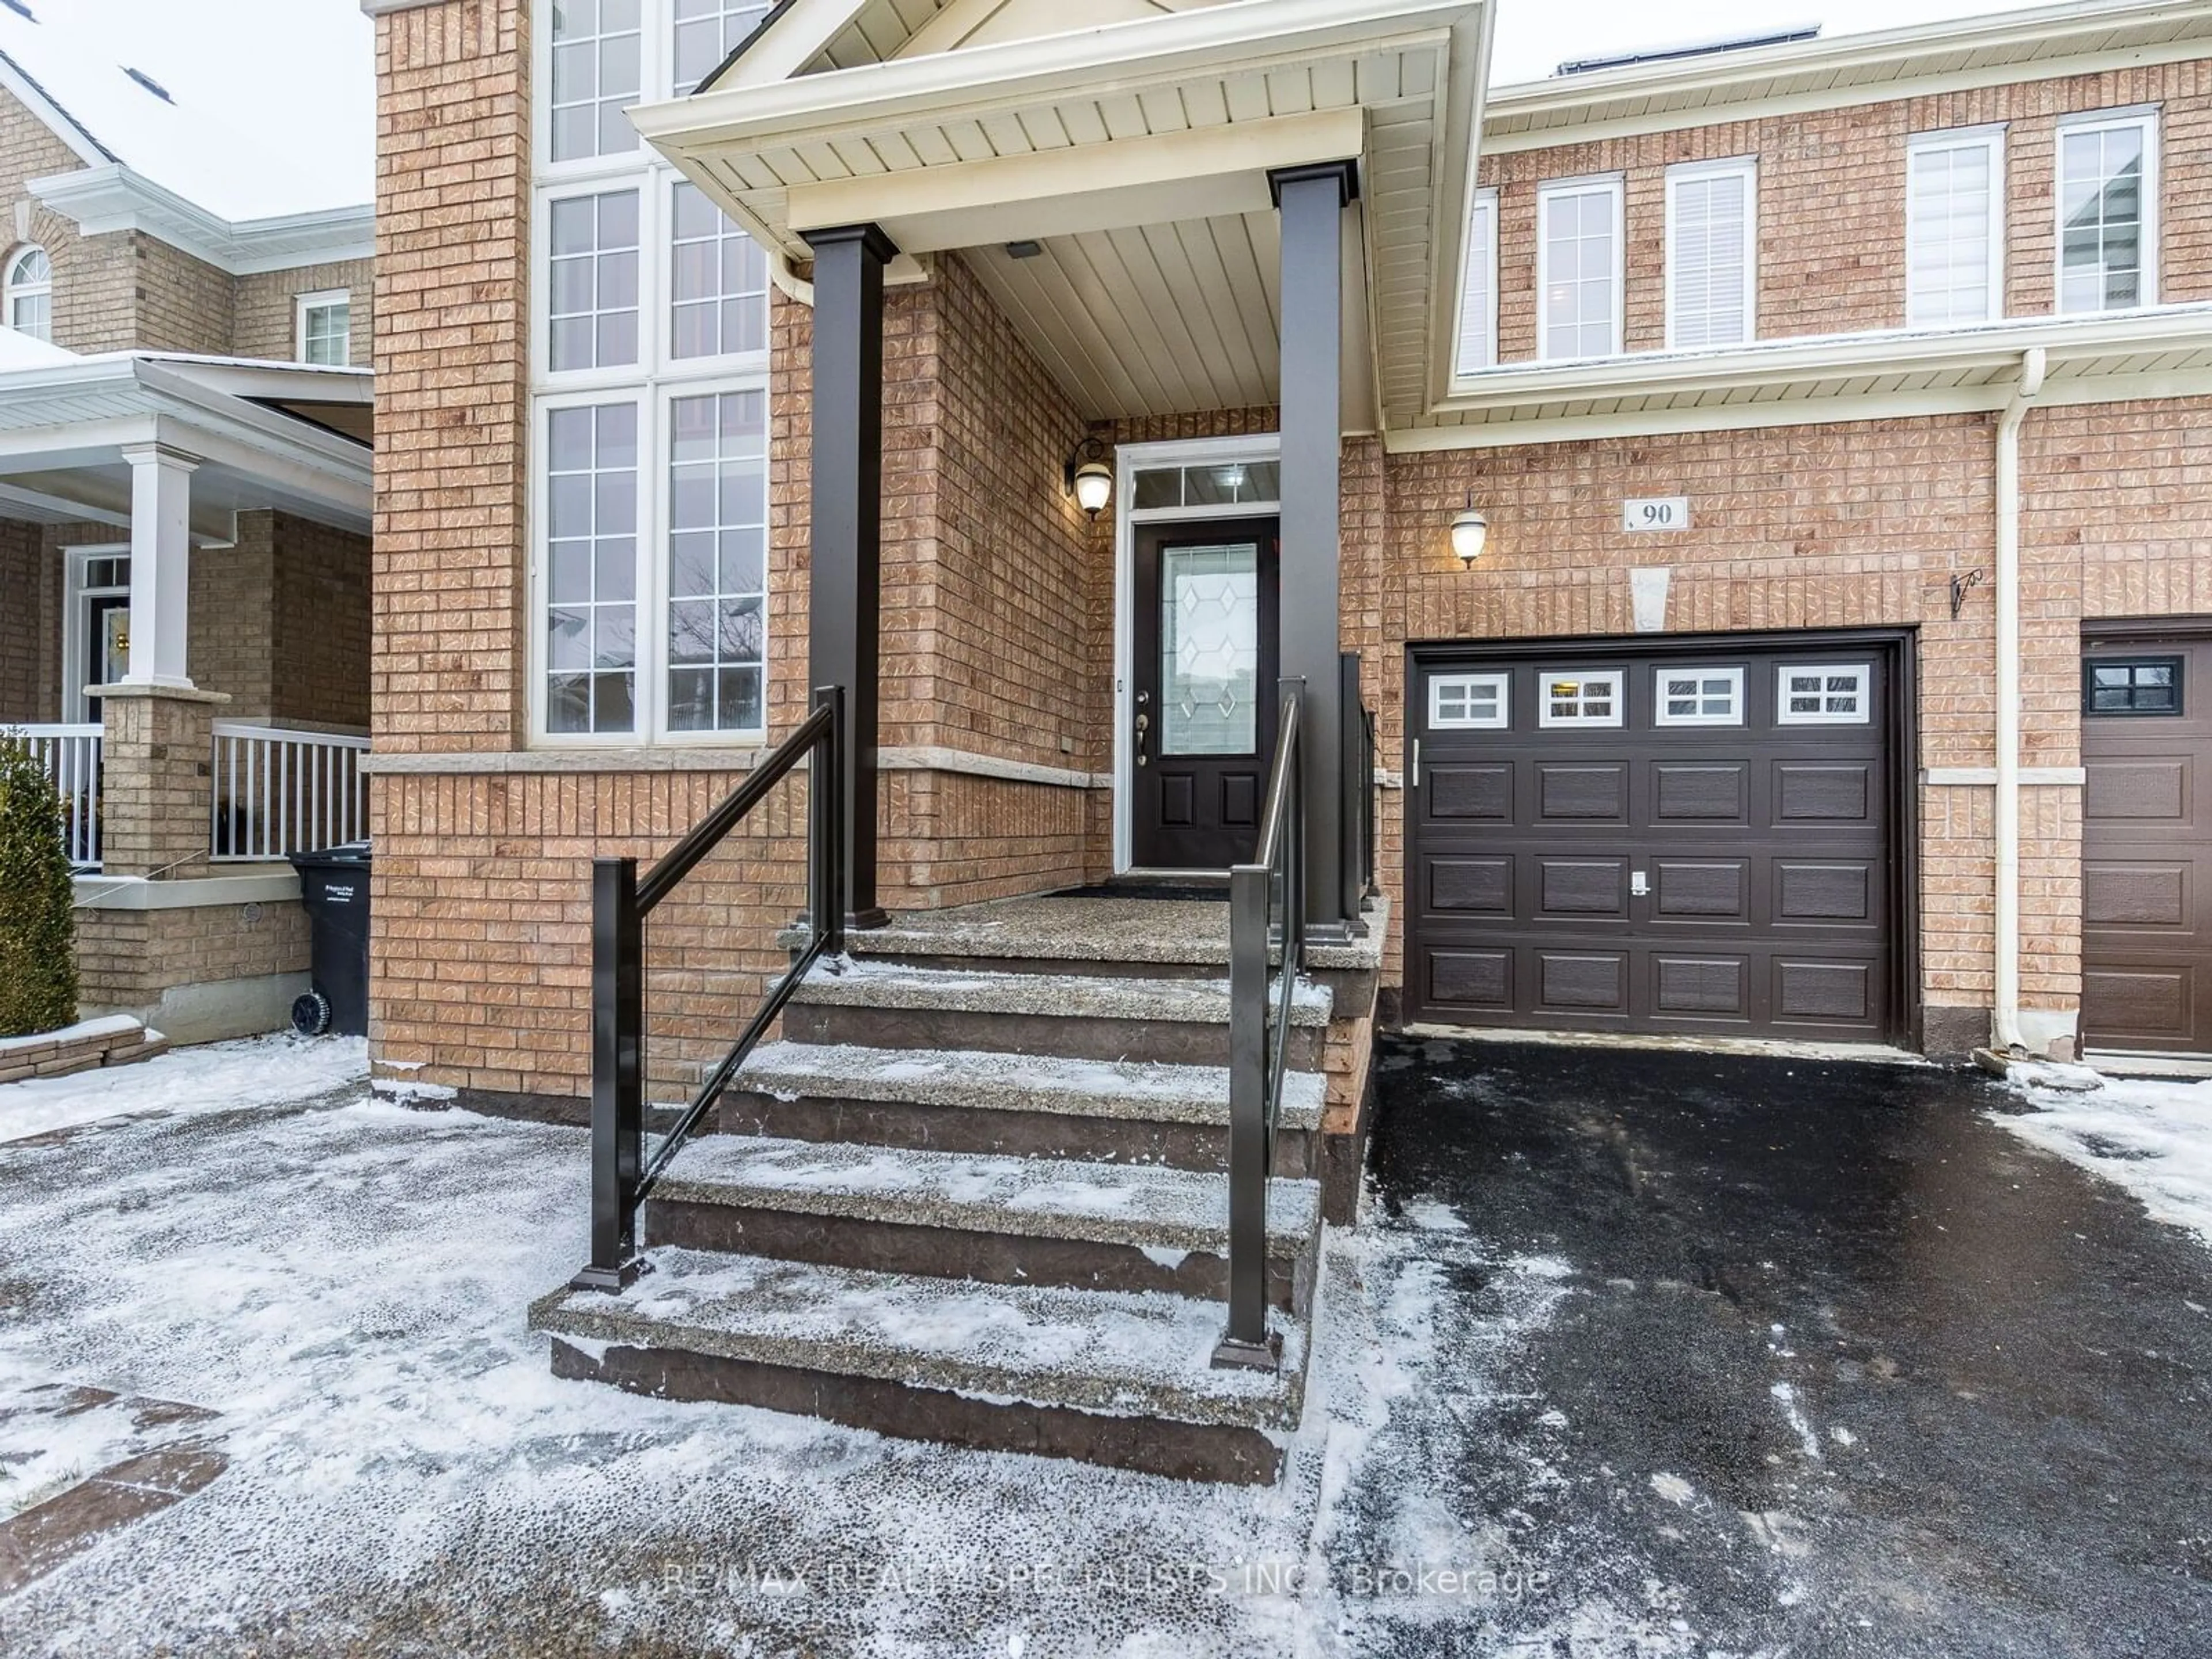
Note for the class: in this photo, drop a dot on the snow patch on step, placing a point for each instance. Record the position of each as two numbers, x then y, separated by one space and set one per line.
1143 1090
869 984
1122 1353
1178 1210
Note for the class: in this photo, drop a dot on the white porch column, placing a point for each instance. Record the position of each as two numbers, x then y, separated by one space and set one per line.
160 564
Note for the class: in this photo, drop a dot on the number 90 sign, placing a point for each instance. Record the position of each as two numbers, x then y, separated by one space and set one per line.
1656 512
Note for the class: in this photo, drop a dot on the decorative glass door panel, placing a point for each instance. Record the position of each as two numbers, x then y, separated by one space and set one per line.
1209 649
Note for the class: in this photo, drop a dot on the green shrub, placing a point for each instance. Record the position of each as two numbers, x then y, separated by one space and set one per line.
38 931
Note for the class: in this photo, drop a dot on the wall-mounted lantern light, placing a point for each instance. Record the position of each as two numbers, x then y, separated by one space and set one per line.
1090 479
1470 533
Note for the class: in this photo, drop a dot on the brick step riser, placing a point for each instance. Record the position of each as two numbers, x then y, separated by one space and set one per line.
1183 1451
1203 1146
1056 1036
990 1258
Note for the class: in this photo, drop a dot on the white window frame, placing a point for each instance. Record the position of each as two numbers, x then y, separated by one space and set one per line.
1500 685
2144 118
1478 315
1550 190
652 383
322 300
1745 168
1660 695
1992 139
1863 715
1547 718
12 290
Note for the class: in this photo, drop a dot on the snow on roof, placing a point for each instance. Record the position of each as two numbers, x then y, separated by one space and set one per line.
247 108
21 350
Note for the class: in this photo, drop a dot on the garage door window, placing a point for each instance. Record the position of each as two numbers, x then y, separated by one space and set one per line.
1699 697
1467 702
2134 686
1580 699
1821 694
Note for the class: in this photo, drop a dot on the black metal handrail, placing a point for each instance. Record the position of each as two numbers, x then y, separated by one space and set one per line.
623 1176
1272 885
1358 866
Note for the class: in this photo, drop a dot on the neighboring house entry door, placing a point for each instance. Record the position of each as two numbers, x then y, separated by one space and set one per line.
2146 843
1203 711
98 647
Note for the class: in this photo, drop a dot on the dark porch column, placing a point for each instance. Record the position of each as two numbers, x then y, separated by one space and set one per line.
844 601
1312 200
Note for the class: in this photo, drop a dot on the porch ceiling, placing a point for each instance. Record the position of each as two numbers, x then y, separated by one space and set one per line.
1136 154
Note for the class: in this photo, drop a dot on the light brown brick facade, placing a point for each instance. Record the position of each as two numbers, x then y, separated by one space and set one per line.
1831 202
998 599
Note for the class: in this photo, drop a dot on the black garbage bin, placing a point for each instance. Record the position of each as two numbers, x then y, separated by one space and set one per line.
334 887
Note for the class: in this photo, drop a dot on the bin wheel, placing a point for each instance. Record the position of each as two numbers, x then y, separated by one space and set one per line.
311 1014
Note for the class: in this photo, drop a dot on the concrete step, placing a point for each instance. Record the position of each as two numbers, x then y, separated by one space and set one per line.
1141 1112
1094 935
1069 1016
1113 1378
1001 1219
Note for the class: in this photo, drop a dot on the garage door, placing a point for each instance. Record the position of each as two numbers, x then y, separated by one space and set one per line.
2146 845
1656 841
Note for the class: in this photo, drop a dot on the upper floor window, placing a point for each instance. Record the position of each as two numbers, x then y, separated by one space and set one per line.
1954 227
650 311
1478 315
1712 220
2107 212
1578 267
30 286
708 31
599 69
325 328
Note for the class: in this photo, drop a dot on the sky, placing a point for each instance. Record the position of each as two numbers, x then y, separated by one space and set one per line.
1534 37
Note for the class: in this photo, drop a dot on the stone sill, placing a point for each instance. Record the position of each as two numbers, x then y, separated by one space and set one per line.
258 885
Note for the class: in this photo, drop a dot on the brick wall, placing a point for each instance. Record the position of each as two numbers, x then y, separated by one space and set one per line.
227 643
452 360
319 625
1835 526
24 623
127 959
1832 201
267 314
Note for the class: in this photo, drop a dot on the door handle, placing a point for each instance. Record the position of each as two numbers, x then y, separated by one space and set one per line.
1414 782
1639 884
1144 725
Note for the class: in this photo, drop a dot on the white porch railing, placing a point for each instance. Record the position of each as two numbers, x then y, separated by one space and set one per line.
278 791
71 757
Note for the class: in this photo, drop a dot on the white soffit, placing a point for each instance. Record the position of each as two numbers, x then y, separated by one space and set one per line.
2162 353
1136 153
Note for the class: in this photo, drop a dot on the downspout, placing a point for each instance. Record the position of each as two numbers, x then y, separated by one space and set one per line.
2006 1012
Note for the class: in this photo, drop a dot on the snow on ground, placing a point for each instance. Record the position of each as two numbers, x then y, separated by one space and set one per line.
346 1284
2151 1136
218 1077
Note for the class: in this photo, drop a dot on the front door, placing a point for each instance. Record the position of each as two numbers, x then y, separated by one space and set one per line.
1205 692
108 641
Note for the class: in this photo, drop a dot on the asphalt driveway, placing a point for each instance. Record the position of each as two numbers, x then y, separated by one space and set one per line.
1850 1370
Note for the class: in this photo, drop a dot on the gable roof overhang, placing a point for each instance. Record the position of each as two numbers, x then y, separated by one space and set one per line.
1136 154
2161 352
266 435
2080 37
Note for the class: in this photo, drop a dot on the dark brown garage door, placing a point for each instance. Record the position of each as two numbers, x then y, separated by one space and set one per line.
2146 845
1653 841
